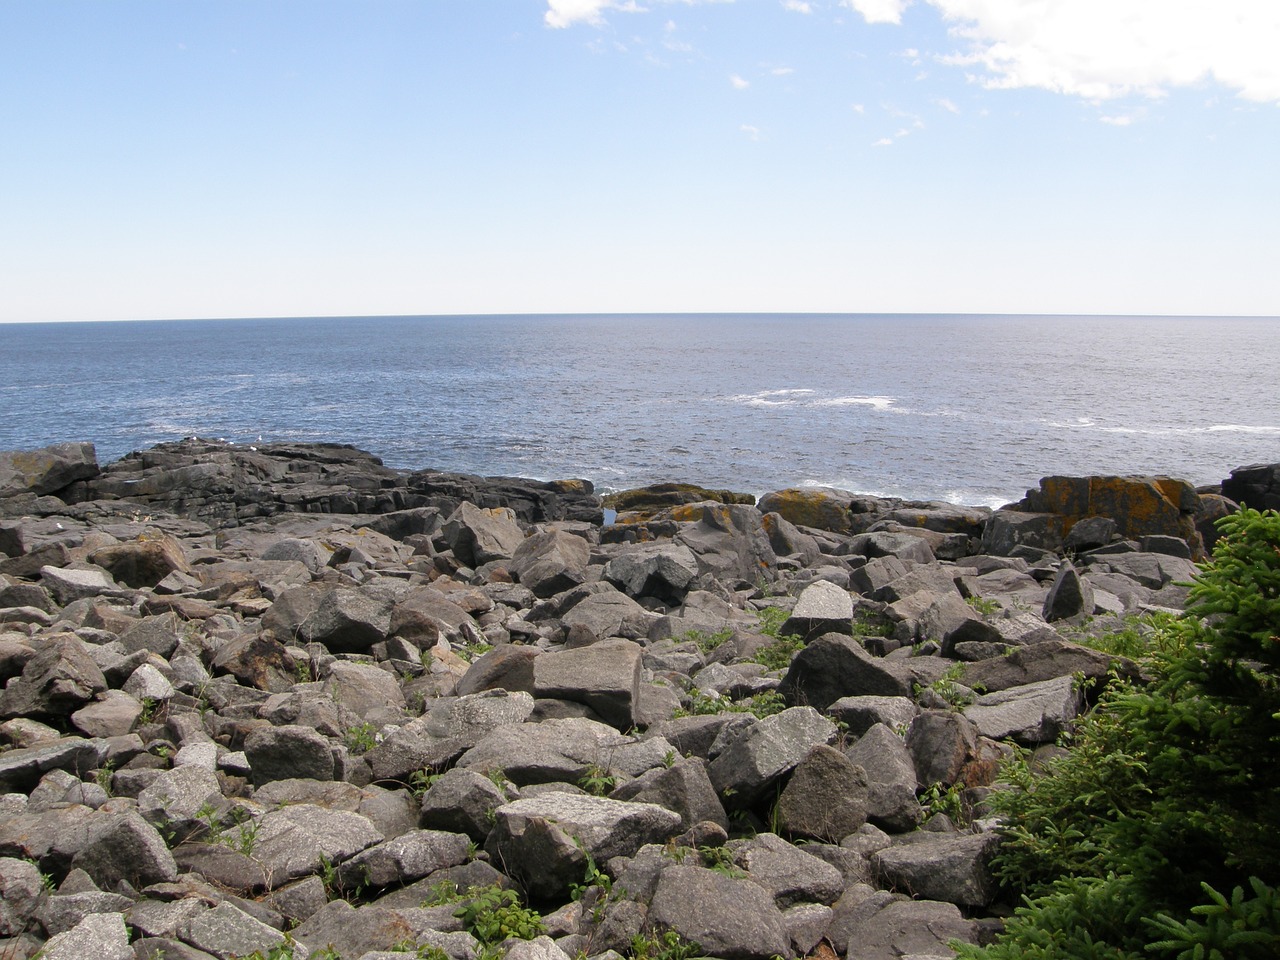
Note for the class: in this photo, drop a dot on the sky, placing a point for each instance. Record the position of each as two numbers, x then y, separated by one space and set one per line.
257 158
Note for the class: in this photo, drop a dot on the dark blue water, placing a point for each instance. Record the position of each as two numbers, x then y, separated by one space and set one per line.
971 409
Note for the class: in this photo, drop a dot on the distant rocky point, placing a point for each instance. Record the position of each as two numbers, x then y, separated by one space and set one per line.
286 700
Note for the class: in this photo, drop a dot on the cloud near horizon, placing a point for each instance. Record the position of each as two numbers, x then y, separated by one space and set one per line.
1096 49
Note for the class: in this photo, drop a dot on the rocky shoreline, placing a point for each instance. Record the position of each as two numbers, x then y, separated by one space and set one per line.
286 701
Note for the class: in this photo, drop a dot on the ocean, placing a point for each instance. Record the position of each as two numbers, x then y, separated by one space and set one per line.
969 409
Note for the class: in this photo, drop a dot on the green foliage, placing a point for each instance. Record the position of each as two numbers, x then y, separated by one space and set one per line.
777 655
949 688
868 624
284 951
939 799
1242 928
241 835
492 914
442 892
983 605
362 737
597 781
668 945
772 619
420 781
1170 790
707 642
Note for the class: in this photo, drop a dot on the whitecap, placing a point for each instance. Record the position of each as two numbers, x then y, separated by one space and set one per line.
1243 428
879 403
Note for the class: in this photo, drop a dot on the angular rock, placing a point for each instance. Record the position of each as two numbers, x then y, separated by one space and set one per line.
282 753
765 751
562 750
99 935
143 562
953 868
462 801
788 873
1041 661
684 788
660 570
1032 714
1069 597
835 666
822 607
227 931
826 797
882 927
823 508
125 847
860 714
550 562
348 621
476 535
891 778
46 470
941 743
605 676
404 859
297 840
58 680
728 917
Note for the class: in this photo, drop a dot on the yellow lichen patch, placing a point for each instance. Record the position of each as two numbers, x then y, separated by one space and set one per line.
809 508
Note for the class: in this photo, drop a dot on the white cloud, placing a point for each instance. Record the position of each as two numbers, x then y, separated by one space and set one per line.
878 11
1101 49
947 105
859 108
797 6
782 71
1121 121
564 13
738 82
750 131
883 142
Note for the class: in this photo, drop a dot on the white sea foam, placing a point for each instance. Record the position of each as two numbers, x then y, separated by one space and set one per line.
771 398
1244 428
879 403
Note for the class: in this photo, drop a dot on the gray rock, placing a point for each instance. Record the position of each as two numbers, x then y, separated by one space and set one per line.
822 607
123 846
605 676
1031 714
834 666
477 536
604 828
175 798
826 797
1070 596
47 469
608 614
309 553
684 787
60 679
370 692
891 778
295 841
728 917
63 911
348 621
21 893
462 801
282 753
882 927
148 683
765 751
227 931
404 859
539 948
953 868
550 562
112 714
563 750
1041 661
99 935
729 540
860 714
660 570
941 742
789 874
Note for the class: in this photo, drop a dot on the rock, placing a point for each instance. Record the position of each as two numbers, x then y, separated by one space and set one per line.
370 692
476 536
1256 486
68 584
789 874
125 847
21 893
550 562
112 714
545 840
227 931
1031 714
281 753
824 508
834 666
941 743
952 868
1010 530
608 614
882 927
646 501
175 799
99 935
143 562
22 768
562 751
46 470
403 859
765 751
1041 661
860 714
1138 505
1070 596
311 554
462 801
297 840
728 917
348 621
826 797
684 788
660 570
605 676
61 678
822 607
891 778
729 541
508 668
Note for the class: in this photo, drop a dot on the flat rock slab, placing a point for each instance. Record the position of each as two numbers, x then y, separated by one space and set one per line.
952 868
727 917
605 828
296 841
1032 713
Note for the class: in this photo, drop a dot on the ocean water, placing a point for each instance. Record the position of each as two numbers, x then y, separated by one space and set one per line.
970 409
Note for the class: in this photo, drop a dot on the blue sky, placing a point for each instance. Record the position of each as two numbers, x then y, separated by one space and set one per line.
307 157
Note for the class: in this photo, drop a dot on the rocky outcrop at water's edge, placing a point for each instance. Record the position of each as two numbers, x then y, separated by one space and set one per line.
288 699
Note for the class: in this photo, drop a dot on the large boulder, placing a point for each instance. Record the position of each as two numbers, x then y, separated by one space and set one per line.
952 868
477 536
663 571
726 916
46 470
604 676
835 666
1139 505
1256 486
764 751
550 562
823 508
